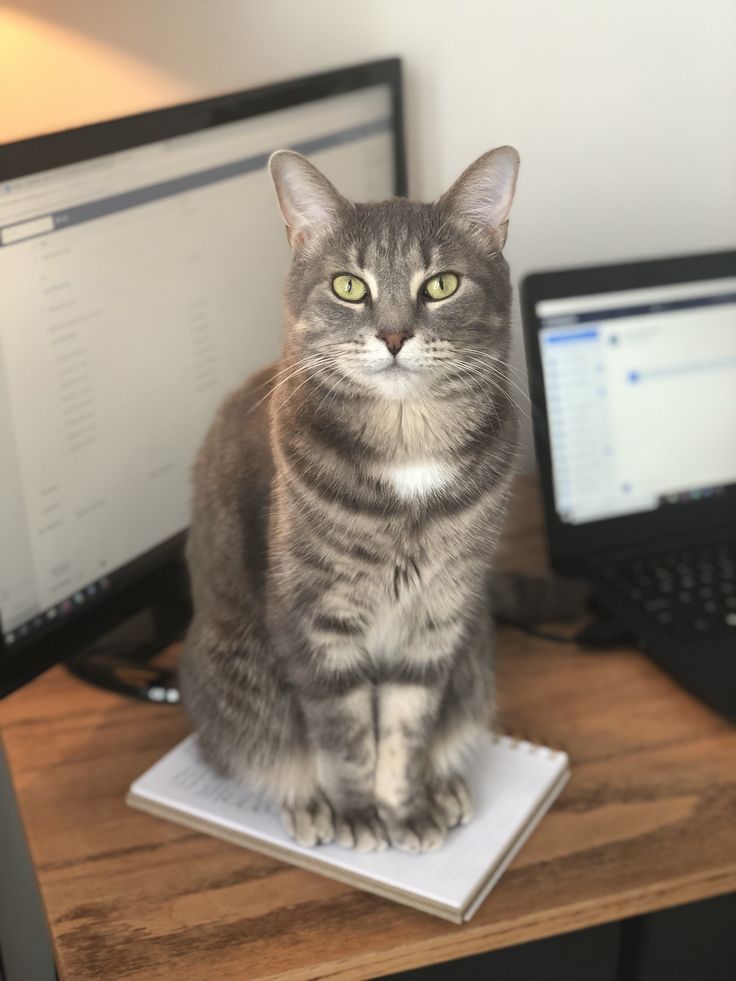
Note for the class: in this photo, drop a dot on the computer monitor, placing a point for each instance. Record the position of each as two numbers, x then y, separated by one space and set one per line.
141 270
633 381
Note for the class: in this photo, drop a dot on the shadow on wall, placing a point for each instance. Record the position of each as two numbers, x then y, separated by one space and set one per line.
67 64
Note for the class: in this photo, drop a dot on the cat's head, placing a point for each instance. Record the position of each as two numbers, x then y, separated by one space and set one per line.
398 297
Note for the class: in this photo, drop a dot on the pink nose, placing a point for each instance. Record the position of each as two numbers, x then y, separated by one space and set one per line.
394 342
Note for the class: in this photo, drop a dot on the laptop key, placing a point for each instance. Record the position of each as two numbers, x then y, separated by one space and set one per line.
655 605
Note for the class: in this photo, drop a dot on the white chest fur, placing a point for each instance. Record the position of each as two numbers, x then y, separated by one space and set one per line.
418 480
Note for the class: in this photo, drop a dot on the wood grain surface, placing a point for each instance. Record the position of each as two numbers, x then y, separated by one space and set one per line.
647 821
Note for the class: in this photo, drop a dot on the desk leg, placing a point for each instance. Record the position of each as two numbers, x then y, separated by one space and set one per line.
696 942
586 955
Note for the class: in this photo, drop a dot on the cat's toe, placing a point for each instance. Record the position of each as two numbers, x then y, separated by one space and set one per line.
309 823
453 798
422 830
361 829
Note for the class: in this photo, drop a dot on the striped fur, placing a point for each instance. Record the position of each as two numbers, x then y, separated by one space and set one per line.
346 509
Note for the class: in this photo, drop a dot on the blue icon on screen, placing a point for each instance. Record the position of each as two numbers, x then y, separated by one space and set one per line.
634 377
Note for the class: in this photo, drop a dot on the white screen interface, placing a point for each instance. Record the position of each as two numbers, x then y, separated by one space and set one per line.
641 397
136 289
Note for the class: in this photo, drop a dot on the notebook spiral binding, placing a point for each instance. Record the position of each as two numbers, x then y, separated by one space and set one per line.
508 736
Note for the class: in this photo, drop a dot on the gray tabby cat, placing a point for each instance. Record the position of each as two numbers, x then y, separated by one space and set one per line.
346 510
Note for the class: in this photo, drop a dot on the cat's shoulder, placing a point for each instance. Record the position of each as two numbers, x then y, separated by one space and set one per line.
238 436
251 398
243 414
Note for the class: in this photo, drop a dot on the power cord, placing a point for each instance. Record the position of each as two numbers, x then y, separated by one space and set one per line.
126 669
598 634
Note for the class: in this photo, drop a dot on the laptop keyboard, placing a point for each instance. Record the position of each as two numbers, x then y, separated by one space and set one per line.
692 591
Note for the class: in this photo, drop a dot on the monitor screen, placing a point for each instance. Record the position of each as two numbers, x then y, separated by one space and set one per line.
138 288
640 389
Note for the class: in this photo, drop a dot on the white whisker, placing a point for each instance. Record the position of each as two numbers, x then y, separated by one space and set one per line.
326 361
499 365
496 375
305 366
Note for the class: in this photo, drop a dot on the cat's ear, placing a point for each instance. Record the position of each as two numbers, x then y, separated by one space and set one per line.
482 196
310 205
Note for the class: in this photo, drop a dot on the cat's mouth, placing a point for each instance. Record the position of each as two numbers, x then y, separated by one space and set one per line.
394 366
396 378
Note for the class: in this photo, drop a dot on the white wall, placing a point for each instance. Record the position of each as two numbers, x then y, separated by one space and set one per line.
624 111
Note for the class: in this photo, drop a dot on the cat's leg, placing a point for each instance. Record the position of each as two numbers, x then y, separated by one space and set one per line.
463 720
342 731
447 785
426 733
250 725
321 647
407 715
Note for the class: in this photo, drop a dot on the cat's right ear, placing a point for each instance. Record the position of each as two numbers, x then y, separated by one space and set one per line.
310 205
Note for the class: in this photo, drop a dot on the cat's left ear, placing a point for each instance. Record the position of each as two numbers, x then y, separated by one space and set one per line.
310 205
482 196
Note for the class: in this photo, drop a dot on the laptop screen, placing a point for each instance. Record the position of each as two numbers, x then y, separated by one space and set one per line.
640 390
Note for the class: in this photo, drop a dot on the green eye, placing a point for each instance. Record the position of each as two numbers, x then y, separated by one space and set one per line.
441 286
349 288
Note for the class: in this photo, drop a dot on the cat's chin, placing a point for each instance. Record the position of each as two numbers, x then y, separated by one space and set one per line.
396 381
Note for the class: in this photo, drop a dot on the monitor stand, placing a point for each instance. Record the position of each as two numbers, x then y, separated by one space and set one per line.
138 657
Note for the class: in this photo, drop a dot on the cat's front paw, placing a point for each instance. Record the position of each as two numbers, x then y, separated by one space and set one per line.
309 823
452 797
421 828
361 829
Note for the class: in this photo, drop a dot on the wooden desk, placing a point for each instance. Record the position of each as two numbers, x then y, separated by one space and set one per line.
647 821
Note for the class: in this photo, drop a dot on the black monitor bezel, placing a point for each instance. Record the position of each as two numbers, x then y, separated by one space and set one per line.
572 547
139 583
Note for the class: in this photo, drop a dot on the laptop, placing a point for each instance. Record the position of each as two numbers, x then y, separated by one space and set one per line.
632 378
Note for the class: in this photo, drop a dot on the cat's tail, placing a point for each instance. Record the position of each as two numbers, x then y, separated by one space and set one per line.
519 598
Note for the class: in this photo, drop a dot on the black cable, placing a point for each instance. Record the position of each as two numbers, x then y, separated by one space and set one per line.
123 667
529 628
597 634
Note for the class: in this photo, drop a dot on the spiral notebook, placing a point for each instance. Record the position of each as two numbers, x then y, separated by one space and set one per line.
513 782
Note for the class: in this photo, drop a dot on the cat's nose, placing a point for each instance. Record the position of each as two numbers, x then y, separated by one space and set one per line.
394 341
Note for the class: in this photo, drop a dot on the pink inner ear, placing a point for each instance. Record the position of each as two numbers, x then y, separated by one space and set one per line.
484 193
309 204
